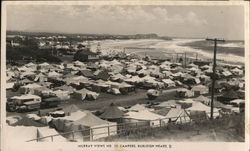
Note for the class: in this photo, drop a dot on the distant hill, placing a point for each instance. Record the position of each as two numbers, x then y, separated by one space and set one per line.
93 36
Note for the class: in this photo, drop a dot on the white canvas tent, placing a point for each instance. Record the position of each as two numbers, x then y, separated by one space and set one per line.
85 94
137 107
30 88
85 120
198 106
20 134
144 115
62 94
178 115
200 89
168 82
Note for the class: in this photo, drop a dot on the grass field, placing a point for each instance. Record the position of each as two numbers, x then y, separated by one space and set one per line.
227 129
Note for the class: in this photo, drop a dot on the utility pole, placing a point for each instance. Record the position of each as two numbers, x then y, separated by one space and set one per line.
185 59
215 40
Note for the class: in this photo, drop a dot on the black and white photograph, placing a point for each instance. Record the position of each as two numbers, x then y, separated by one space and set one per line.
87 73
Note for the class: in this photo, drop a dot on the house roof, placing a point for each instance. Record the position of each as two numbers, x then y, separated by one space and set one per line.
86 52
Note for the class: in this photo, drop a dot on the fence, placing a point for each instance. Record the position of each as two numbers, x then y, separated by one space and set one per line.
91 134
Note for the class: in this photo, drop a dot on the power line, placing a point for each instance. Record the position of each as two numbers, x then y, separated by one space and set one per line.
215 40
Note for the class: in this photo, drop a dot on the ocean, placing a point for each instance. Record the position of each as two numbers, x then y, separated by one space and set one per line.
229 52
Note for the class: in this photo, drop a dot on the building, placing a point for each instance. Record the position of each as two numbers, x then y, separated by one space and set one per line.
85 55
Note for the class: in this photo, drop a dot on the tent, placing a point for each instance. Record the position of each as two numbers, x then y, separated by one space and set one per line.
200 89
81 133
202 99
25 82
30 88
42 91
198 106
22 69
20 134
228 96
150 82
27 73
182 92
137 107
197 116
70 109
112 112
124 88
31 65
167 73
45 131
101 74
66 88
153 94
168 82
25 121
164 67
143 72
62 94
45 120
85 120
100 86
99 128
167 104
10 85
237 101
54 74
186 103
217 87
12 119
75 79
33 116
117 77
178 115
237 71
86 73
79 64
114 91
134 80
40 78
144 117
85 94
226 73
59 122
205 67
162 111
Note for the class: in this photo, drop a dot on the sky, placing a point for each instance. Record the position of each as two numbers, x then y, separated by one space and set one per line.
176 21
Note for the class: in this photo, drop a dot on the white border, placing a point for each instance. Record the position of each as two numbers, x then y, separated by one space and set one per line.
178 146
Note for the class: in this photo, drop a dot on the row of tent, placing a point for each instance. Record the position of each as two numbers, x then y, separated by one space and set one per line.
144 74
93 127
